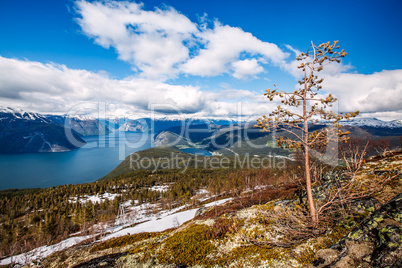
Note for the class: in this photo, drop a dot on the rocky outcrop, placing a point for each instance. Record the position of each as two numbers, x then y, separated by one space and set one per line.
377 242
168 139
139 125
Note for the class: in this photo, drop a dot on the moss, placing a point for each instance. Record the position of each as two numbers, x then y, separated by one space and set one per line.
307 254
123 241
221 228
252 256
391 236
186 248
145 252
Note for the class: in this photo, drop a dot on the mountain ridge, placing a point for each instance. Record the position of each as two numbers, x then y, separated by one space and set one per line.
372 122
24 132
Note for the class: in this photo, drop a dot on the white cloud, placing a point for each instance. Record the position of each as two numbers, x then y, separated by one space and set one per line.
151 41
52 88
164 43
377 92
246 68
386 116
225 45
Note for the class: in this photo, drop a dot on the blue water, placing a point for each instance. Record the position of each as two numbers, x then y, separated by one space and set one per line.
196 151
97 158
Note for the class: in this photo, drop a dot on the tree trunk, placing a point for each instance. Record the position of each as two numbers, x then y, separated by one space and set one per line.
311 205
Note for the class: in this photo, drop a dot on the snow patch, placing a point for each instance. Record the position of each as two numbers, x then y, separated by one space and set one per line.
166 221
44 251
142 214
159 188
93 198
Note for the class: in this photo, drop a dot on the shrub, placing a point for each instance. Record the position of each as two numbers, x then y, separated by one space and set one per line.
123 241
186 248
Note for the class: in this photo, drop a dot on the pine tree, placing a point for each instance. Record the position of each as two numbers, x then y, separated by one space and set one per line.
306 107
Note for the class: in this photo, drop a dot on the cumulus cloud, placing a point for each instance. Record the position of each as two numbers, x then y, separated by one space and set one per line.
163 43
225 44
377 92
246 68
152 41
53 88
386 116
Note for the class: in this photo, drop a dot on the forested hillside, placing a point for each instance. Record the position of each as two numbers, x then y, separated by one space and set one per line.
264 224
34 217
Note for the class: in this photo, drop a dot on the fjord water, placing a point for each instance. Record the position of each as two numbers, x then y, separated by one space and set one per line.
196 151
94 160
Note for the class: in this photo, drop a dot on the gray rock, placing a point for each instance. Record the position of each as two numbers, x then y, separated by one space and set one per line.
375 243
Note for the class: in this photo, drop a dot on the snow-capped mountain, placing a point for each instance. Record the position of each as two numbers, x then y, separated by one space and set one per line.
84 126
162 124
372 122
140 125
7 113
25 132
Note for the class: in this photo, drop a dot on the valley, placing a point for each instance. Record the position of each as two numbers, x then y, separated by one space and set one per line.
149 187
226 214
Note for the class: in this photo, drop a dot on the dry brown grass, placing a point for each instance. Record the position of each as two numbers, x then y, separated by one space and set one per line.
286 191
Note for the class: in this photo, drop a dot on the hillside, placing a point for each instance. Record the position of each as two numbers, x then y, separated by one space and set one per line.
240 139
151 157
83 126
166 158
170 139
221 139
260 222
195 133
158 125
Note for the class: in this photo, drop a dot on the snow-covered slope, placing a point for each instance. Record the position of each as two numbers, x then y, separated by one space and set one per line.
10 113
372 122
155 223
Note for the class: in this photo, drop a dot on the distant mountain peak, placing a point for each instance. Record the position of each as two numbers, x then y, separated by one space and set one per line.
21 114
371 122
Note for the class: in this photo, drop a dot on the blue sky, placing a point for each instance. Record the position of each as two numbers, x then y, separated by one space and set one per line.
200 56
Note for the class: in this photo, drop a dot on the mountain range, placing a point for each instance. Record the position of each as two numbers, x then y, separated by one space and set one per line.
372 122
26 132
245 138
